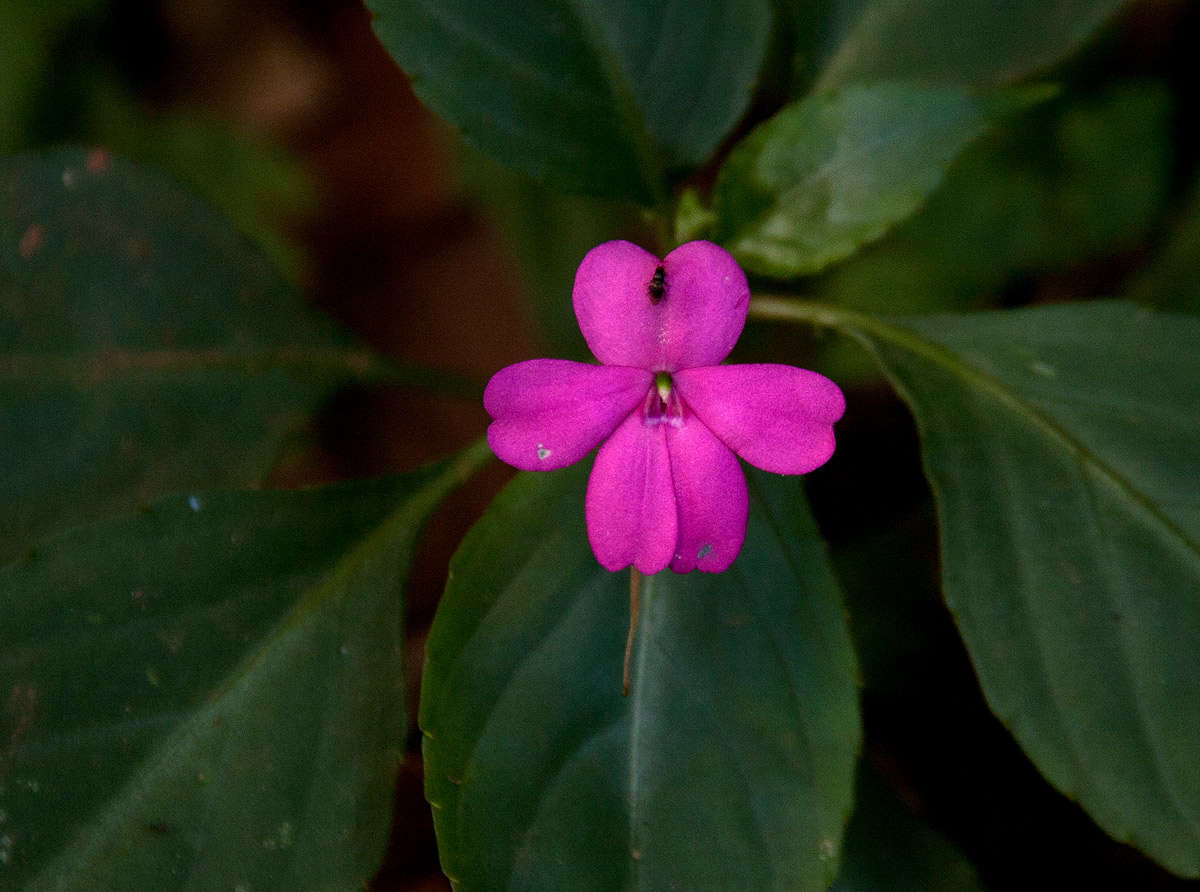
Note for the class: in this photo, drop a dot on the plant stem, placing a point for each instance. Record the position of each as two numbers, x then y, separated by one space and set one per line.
635 605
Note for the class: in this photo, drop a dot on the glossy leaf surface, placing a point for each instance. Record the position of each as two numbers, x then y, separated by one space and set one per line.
542 776
208 694
1064 185
834 172
602 97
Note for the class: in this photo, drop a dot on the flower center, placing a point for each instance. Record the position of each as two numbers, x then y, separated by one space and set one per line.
663 405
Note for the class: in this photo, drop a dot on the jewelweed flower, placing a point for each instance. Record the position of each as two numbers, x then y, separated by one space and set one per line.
666 488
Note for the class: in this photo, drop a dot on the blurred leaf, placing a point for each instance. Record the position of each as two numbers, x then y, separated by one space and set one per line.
888 848
730 764
207 694
831 173
548 232
809 25
29 30
692 219
1062 445
890 580
602 97
1172 280
968 42
1068 183
258 186
145 347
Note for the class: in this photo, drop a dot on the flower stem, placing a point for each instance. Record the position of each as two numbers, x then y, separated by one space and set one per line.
635 605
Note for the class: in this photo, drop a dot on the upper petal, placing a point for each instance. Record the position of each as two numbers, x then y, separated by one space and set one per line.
776 417
710 497
549 413
631 517
695 323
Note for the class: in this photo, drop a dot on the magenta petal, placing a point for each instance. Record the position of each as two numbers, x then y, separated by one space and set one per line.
710 491
630 501
549 413
695 323
776 417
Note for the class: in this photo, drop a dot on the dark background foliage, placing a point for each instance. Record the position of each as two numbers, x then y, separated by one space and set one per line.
292 118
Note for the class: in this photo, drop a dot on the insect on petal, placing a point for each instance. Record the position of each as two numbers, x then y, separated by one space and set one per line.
689 314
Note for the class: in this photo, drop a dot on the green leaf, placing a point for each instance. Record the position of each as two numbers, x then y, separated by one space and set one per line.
29 32
207 694
1068 183
602 97
834 172
257 185
888 848
1170 280
1062 444
145 346
730 764
968 42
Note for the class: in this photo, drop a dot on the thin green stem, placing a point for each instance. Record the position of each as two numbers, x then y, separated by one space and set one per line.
860 326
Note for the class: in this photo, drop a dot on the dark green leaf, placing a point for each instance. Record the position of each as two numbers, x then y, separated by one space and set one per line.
969 42
29 30
834 172
601 97
145 347
256 184
1062 445
208 694
888 848
730 764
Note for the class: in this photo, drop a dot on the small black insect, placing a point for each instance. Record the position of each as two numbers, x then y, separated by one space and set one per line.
658 285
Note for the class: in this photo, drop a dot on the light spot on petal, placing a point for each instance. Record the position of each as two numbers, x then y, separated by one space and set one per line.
542 452
705 551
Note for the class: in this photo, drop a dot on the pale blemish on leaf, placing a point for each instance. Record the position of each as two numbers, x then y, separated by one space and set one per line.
1044 369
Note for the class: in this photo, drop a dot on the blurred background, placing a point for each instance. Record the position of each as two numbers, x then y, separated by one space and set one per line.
291 118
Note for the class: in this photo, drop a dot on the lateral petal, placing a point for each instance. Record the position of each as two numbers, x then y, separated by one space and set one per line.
695 322
776 417
630 509
549 413
710 492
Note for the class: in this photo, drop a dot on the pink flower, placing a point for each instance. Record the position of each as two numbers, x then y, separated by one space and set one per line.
666 487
